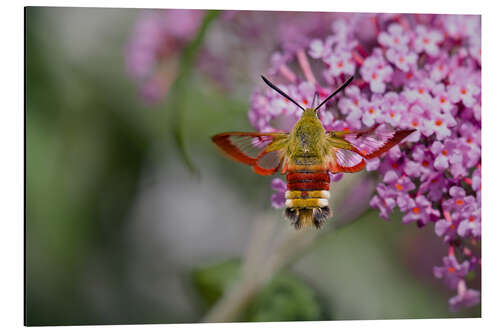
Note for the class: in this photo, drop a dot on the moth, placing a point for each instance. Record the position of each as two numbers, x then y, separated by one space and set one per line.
307 155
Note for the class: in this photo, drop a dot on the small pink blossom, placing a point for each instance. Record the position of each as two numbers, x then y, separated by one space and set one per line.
420 210
402 58
465 297
470 223
419 91
319 49
442 98
440 124
395 37
278 198
452 271
371 110
376 72
340 63
440 69
428 40
465 92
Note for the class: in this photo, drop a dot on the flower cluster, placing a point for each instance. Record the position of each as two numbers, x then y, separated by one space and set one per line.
411 71
157 39
159 36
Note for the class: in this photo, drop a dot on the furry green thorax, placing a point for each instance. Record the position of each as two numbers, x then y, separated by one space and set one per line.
307 136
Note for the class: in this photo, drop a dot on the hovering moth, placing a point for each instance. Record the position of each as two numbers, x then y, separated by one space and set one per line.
307 155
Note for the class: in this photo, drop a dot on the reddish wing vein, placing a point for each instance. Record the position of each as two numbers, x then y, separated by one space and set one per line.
346 161
250 148
374 141
351 148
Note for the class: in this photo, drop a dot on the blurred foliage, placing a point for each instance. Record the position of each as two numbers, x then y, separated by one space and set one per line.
211 281
89 141
284 298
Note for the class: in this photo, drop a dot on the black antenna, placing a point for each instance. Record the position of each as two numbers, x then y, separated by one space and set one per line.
345 84
280 91
314 99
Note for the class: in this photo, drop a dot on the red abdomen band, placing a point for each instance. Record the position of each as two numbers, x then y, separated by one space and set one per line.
306 181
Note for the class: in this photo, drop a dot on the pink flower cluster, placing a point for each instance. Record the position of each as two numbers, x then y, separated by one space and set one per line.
151 53
159 36
411 71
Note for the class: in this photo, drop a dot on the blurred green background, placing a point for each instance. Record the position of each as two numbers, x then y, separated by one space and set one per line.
119 230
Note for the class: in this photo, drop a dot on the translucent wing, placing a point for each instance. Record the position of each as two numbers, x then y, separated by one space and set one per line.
343 160
349 149
263 151
369 143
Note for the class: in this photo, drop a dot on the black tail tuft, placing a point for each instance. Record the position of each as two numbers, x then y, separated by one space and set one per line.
321 215
305 217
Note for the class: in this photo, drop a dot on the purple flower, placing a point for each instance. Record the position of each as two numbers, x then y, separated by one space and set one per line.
466 27
451 271
371 110
427 40
476 180
402 59
336 177
157 39
420 210
464 92
470 224
434 186
340 62
383 202
446 229
459 201
319 49
400 184
373 164
376 71
442 98
470 143
278 198
159 36
350 107
445 154
440 69
395 37
420 163
464 298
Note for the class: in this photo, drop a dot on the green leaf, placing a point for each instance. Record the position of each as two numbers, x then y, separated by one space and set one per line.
210 282
285 298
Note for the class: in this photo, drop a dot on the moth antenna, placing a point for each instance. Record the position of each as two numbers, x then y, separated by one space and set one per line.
282 93
314 99
339 89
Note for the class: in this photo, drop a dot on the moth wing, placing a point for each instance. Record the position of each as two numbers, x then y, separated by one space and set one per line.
263 151
344 160
369 143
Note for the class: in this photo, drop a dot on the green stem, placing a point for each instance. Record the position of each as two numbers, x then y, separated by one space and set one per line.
287 247
181 84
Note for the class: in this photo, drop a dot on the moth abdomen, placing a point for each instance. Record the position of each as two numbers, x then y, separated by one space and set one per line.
307 198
